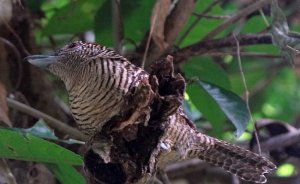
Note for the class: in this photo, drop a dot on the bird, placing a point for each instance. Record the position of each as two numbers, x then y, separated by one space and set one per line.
99 82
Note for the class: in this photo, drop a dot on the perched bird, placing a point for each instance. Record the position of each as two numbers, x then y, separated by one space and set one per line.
98 81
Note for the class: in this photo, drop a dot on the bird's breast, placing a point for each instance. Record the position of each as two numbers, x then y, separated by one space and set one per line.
94 104
102 92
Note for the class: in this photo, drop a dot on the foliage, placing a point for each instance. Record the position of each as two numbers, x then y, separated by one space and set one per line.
24 146
40 129
216 95
66 174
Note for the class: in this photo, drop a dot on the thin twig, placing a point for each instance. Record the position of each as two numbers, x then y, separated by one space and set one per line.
6 172
246 90
63 127
18 59
293 49
148 42
52 42
261 85
155 180
240 14
246 54
212 16
205 46
164 176
17 38
185 167
186 33
173 26
264 17
286 139
117 25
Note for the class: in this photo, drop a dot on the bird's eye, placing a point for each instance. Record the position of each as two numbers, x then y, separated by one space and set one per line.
72 45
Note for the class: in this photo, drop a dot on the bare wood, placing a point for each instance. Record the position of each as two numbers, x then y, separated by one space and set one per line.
178 18
173 26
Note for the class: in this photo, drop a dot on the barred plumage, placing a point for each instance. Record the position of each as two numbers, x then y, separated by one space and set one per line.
96 108
99 84
98 80
182 141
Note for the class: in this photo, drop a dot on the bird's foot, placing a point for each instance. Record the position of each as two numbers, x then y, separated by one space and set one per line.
141 115
141 99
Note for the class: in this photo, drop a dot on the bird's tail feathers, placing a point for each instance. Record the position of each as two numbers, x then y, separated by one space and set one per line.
236 160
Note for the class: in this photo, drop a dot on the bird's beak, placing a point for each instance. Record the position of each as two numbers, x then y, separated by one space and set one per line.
42 61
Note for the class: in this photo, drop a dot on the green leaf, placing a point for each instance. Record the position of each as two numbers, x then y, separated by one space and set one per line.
75 17
190 110
255 24
204 26
262 48
24 146
136 20
286 170
205 69
199 31
208 107
66 174
40 129
231 104
252 78
281 98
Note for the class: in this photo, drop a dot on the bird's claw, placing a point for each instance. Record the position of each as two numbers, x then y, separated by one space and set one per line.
141 100
141 115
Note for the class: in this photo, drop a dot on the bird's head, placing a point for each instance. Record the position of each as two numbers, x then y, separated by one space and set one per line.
73 54
68 60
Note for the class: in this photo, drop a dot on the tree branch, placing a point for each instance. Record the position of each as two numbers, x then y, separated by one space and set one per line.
186 33
216 44
18 60
74 133
244 54
241 14
177 19
286 139
183 168
207 16
173 26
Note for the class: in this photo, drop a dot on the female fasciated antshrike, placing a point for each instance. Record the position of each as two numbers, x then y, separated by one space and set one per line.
97 80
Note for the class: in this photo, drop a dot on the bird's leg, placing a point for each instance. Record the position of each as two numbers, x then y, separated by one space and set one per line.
141 99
